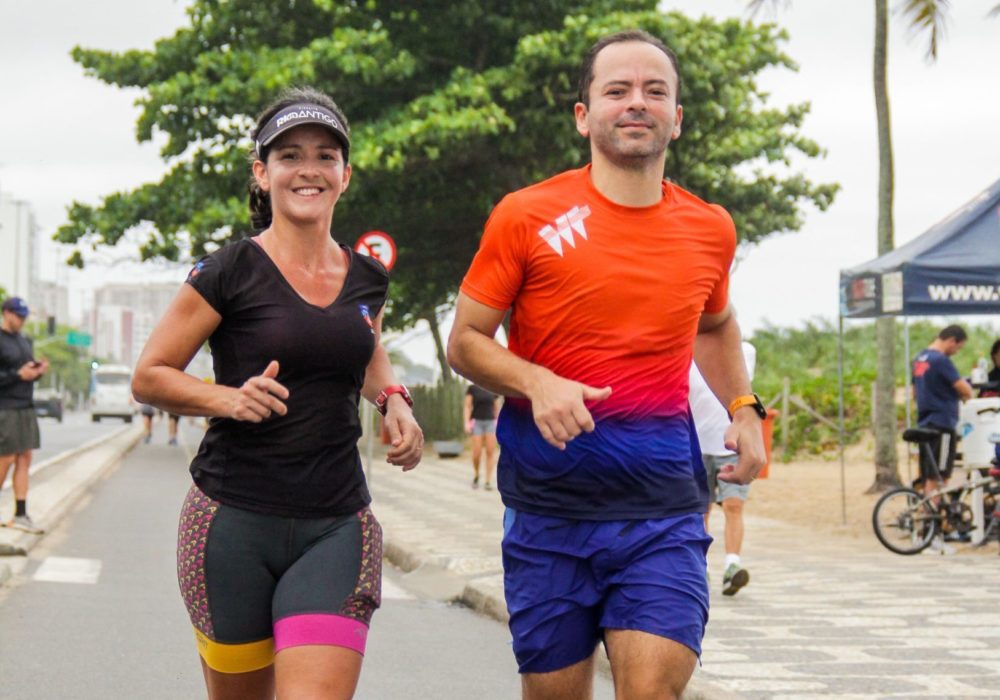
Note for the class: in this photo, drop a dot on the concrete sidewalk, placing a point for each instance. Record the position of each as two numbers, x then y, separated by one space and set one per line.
57 484
822 616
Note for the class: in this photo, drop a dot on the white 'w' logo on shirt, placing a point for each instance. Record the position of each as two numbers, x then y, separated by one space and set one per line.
565 226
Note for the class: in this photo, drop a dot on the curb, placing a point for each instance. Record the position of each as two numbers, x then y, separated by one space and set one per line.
484 599
126 437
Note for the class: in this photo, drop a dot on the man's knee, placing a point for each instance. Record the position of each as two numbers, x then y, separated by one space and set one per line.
732 507
648 666
574 682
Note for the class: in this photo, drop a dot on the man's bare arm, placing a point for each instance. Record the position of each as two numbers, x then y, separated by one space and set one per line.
557 403
719 357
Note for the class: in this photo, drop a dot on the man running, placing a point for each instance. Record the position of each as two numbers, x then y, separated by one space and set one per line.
611 273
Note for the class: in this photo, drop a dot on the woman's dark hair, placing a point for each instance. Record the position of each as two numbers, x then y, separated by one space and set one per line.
994 350
260 201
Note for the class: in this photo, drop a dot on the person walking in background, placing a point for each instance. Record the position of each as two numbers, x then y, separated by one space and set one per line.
615 277
279 555
937 390
711 421
19 370
479 416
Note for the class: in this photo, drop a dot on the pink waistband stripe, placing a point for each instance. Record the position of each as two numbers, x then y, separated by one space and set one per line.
320 629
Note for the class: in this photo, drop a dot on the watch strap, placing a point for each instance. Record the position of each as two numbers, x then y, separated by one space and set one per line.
381 402
747 400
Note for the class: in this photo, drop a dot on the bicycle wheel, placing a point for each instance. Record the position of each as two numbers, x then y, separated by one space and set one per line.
903 523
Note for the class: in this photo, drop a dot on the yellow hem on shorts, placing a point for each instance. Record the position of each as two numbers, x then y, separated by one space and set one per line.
235 658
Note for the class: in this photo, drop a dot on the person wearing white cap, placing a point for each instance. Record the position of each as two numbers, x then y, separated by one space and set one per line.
19 370
278 554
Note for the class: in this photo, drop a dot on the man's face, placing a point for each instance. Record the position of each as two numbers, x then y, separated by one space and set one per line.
12 322
633 113
952 346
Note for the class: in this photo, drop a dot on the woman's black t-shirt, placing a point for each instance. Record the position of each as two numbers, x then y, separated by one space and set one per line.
305 463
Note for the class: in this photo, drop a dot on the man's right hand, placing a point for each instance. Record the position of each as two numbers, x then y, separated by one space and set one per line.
30 371
558 407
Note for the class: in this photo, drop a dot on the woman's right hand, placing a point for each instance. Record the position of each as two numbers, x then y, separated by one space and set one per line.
259 397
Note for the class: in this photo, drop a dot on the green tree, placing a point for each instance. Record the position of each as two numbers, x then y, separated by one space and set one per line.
927 16
455 103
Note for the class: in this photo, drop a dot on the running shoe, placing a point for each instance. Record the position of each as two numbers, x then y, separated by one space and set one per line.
25 523
734 579
939 546
475 483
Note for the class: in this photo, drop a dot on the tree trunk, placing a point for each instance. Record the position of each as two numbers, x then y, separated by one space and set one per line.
446 374
886 461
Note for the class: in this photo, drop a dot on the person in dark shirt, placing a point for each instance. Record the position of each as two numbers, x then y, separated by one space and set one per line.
19 370
279 555
480 419
937 388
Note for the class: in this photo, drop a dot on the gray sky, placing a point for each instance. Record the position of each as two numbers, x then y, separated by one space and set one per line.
65 137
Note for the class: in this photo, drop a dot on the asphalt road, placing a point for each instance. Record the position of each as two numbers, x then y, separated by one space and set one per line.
75 430
126 634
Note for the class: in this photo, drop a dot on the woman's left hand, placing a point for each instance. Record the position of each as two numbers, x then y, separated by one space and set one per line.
406 439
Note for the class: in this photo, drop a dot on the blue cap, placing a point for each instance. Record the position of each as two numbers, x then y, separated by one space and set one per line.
16 305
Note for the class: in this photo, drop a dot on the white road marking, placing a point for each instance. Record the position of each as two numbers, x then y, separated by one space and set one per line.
69 570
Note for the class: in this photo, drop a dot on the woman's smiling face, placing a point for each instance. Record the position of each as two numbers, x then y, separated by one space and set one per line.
305 173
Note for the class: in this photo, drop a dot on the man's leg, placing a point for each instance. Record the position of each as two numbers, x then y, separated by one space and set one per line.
646 666
655 611
5 462
22 464
553 602
733 508
574 682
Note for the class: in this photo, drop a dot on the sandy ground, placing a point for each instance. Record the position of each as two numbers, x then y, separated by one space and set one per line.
809 493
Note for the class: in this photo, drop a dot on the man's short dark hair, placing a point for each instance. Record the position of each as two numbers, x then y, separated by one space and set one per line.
953 331
587 68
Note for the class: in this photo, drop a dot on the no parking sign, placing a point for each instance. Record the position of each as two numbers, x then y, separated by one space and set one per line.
379 245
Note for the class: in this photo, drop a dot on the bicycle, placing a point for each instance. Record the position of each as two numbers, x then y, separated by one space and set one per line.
906 521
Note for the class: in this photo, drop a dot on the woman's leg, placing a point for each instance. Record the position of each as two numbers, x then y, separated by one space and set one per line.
225 557
477 453
254 685
326 672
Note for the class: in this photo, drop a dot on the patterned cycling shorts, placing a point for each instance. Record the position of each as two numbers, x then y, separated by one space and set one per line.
255 584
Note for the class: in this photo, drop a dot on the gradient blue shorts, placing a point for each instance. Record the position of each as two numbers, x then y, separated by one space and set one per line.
566 581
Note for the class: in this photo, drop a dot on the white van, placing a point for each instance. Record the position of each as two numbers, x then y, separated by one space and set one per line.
111 393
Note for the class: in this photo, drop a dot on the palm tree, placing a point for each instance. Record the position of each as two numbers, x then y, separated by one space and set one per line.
923 16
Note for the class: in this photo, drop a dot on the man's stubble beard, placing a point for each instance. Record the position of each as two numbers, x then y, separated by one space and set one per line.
630 155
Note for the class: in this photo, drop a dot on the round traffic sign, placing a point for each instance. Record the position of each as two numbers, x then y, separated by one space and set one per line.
379 245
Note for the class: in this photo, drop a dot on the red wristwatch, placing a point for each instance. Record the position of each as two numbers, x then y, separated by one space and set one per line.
383 396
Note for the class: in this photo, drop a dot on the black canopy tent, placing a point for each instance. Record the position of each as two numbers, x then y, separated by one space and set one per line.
951 269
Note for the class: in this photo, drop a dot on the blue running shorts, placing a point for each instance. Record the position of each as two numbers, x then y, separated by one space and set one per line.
566 581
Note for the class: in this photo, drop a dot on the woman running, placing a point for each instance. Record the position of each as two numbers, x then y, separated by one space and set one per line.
279 556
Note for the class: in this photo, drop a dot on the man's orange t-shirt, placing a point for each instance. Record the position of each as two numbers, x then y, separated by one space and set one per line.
606 295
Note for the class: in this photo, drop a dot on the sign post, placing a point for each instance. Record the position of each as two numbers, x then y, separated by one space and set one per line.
379 245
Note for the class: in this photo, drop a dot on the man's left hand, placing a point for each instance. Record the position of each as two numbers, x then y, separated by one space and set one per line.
745 437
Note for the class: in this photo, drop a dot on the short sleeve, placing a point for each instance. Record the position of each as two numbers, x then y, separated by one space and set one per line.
948 370
719 298
497 271
206 278
470 392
